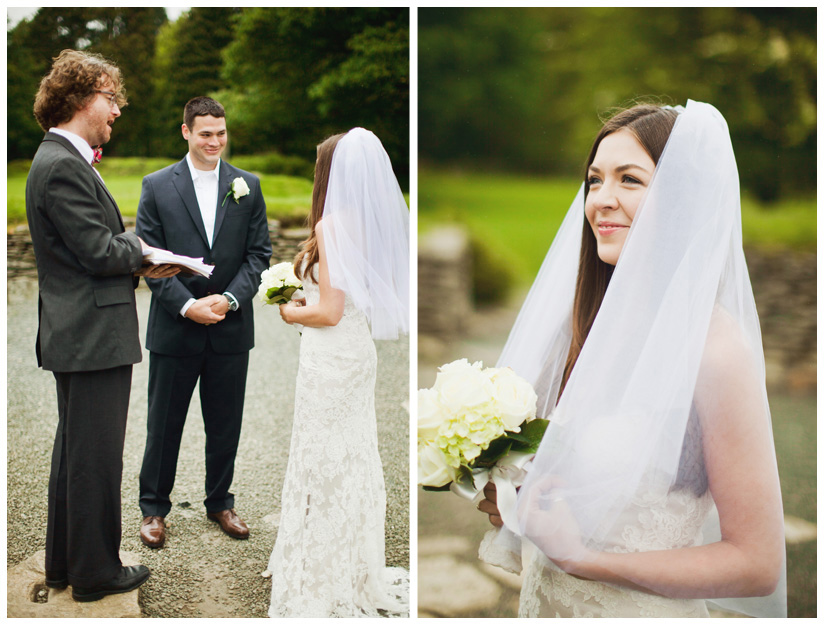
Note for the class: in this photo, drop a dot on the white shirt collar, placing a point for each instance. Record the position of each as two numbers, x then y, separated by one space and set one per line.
78 142
196 173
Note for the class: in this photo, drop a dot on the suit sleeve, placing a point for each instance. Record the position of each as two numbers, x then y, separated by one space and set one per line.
244 285
171 292
80 218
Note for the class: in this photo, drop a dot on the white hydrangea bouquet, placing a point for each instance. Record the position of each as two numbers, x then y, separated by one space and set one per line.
477 425
278 284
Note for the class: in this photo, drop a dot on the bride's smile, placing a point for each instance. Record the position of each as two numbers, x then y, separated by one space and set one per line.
606 228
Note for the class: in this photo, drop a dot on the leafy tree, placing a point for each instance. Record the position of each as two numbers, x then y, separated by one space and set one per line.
31 46
480 85
288 77
23 134
327 70
125 36
569 66
187 63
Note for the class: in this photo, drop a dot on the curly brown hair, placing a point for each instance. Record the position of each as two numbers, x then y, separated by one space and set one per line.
71 84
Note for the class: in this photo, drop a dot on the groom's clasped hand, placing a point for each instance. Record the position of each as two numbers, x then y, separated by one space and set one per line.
208 310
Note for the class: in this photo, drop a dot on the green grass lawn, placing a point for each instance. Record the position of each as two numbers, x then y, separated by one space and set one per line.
517 217
286 197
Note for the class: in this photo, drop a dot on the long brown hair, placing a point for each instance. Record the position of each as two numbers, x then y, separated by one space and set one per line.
651 126
323 165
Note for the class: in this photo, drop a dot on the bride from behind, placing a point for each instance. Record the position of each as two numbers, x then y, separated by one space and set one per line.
328 559
655 490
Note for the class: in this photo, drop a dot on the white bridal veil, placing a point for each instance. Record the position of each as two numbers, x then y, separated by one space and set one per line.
366 233
628 411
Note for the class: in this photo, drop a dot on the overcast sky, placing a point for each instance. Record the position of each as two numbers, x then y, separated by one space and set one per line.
15 14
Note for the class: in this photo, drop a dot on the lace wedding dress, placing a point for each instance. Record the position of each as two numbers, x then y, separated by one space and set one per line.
328 559
663 522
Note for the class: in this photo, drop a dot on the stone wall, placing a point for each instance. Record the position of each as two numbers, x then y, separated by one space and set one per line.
444 282
20 253
784 287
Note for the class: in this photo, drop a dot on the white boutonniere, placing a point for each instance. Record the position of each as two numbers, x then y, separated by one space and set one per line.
238 189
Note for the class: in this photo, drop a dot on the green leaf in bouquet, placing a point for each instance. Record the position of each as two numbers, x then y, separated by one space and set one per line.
441 488
498 448
465 474
530 437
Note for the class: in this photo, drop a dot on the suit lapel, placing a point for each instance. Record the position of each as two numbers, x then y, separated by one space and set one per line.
114 204
98 180
182 179
224 182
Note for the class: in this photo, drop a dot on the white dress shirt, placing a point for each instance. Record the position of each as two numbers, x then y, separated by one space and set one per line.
82 146
206 190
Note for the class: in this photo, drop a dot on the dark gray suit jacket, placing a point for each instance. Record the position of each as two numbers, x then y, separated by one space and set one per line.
169 217
85 261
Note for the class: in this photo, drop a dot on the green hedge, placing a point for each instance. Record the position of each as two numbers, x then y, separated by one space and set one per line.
275 163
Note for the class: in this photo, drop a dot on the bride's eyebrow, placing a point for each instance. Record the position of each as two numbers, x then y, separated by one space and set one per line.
621 168
630 166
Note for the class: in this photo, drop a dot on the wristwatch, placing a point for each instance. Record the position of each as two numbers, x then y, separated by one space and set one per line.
233 303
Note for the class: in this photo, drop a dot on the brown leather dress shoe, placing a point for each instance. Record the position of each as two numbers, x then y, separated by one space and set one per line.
153 531
230 523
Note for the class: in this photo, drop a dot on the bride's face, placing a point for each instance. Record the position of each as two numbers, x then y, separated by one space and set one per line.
618 178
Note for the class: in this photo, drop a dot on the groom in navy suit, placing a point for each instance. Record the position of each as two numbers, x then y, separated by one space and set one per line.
200 328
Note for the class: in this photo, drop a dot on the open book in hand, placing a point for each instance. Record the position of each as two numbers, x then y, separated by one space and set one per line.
187 265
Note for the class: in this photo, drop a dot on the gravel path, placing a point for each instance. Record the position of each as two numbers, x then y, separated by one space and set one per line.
201 572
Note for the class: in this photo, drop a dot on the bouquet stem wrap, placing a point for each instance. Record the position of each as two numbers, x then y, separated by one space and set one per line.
507 475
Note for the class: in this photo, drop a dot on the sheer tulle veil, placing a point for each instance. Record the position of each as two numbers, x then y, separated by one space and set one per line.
366 233
619 427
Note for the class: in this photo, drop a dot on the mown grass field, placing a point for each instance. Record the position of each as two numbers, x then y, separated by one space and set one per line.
286 197
517 217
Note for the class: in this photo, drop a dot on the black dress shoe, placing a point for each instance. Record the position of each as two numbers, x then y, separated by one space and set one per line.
128 578
57 579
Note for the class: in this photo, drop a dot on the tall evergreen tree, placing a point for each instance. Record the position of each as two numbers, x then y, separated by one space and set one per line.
188 63
23 134
125 36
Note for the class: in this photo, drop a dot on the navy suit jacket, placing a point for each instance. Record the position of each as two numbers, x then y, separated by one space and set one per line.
169 217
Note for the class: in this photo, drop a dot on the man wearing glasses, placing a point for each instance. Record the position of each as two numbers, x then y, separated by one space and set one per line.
87 335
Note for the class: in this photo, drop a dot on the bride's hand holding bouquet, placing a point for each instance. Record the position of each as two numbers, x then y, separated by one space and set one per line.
477 425
279 285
